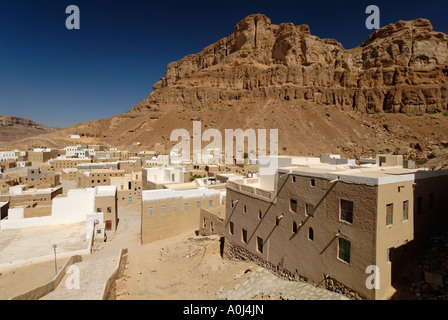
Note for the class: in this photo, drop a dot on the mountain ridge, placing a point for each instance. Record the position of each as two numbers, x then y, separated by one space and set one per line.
386 95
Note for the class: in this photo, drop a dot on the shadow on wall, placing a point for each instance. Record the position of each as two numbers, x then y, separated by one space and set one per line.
430 217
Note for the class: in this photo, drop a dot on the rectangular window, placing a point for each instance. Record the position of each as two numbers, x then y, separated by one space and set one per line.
431 201
175 207
405 210
244 235
162 209
109 210
344 250
231 228
389 214
309 210
293 205
389 255
420 205
198 205
210 203
150 211
186 206
347 211
260 245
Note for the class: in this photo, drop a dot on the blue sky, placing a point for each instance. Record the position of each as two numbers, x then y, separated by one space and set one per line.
61 77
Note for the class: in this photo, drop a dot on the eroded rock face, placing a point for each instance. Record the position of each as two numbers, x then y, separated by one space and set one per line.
401 68
8 121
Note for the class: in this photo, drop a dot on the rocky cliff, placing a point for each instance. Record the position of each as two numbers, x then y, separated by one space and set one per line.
401 68
15 128
388 95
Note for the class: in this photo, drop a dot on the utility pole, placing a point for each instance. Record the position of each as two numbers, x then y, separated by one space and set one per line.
55 263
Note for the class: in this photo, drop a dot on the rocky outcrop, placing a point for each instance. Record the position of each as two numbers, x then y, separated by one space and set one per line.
15 128
8 121
401 68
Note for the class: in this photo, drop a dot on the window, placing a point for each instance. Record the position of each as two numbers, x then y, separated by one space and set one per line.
150 211
198 205
204 223
175 207
313 182
231 228
389 255
431 201
309 210
311 234
98 209
244 209
294 227
162 209
211 226
405 210
347 211
210 203
186 206
420 205
389 214
244 235
260 214
293 205
109 210
260 245
293 179
344 250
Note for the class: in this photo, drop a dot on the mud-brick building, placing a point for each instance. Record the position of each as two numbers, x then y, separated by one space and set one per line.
329 222
166 213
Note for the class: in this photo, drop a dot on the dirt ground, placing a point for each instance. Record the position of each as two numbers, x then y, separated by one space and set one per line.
182 267
18 281
185 267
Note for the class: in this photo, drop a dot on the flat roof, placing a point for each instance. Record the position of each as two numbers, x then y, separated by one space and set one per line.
33 191
373 175
106 191
164 194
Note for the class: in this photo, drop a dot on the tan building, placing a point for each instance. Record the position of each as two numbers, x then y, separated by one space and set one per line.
330 222
211 221
167 213
106 202
130 166
42 156
21 195
8 164
100 177
69 163
129 188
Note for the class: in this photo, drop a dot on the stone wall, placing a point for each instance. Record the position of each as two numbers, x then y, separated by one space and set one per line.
233 252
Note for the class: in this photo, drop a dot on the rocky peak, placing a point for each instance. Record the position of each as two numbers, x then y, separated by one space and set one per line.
402 67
